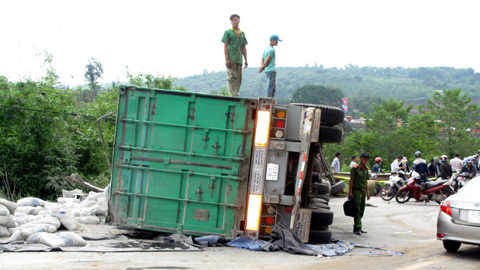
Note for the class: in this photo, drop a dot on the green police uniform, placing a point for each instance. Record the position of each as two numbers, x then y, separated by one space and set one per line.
359 190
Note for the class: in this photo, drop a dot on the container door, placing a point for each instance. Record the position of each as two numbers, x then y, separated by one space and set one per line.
180 161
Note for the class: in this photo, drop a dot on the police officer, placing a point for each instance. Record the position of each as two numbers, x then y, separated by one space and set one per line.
359 190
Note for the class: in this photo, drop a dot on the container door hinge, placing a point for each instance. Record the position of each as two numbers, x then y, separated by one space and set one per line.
215 147
212 186
199 191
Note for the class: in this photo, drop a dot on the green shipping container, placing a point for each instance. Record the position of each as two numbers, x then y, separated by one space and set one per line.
181 161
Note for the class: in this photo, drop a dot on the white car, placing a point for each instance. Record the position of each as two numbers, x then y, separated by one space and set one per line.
459 218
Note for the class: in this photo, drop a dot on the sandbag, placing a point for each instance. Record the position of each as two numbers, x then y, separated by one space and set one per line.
88 220
4 210
4 232
87 203
40 227
76 193
7 221
64 200
93 196
48 239
22 218
68 221
100 210
47 220
72 239
30 210
10 205
25 232
31 201
102 219
102 201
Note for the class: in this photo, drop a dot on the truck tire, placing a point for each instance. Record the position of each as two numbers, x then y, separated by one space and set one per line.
322 188
326 197
319 206
340 186
330 134
330 115
318 200
321 218
320 237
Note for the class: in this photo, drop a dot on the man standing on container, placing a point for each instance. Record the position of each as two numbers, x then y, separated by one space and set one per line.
268 65
358 190
235 50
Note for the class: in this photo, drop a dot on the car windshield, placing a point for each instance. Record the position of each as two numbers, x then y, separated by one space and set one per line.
472 188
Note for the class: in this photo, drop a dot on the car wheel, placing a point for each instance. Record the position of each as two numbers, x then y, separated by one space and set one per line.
451 246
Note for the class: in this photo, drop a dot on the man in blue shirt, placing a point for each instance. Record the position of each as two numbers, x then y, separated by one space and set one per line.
268 65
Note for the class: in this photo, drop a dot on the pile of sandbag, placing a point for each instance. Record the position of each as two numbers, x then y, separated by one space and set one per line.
7 209
36 221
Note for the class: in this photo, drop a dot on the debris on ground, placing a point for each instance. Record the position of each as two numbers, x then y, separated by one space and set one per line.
76 222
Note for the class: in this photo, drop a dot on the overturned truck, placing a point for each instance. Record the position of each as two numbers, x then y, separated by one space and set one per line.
202 164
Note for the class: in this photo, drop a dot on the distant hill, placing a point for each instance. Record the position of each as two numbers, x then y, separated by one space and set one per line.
399 82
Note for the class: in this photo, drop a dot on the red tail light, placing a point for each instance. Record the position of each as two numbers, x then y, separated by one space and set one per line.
288 209
446 208
280 124
270 220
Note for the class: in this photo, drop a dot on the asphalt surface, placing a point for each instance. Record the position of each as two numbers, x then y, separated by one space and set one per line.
399 237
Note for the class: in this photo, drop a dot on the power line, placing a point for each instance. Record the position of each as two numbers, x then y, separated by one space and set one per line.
54 112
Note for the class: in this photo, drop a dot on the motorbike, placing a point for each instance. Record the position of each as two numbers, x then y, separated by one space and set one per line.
392 186
459 180
437 190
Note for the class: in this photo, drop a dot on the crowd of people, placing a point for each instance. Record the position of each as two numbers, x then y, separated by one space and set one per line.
437 168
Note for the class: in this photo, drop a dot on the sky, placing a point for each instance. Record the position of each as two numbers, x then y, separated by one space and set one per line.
183 37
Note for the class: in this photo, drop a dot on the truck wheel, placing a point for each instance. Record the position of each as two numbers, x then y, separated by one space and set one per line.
322 188
340 186
320 237
318 200
330 134
319 206
326 197
321 218
330 115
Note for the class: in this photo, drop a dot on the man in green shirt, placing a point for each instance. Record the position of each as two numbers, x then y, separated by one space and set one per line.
359 190
235 49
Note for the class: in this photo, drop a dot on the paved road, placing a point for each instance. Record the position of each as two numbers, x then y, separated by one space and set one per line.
408 229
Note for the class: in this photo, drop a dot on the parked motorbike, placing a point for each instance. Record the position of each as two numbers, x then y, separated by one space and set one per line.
392 186
459 180
437 190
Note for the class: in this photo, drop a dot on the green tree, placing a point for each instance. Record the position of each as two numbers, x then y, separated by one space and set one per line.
153 81
456 117
51 77
386 133
318 94
93 73
36 151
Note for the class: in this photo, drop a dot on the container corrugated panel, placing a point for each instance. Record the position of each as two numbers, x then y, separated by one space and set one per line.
181 161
